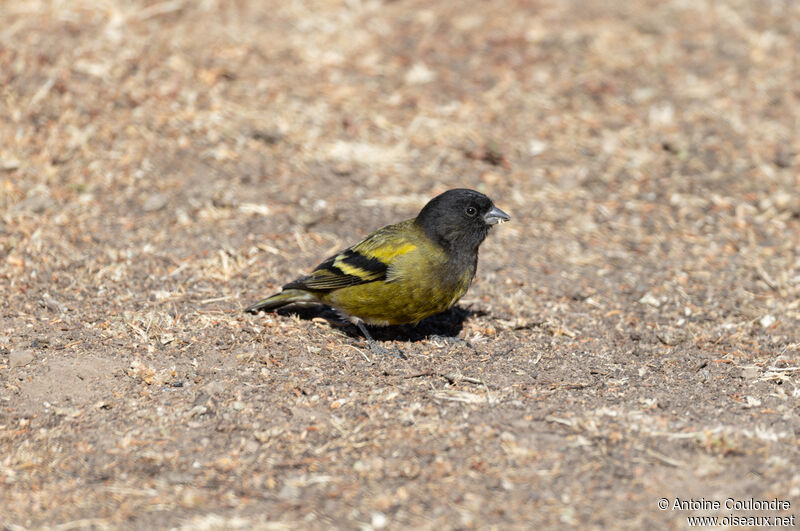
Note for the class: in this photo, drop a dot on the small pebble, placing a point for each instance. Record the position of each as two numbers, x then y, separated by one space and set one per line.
214 388
651 300
767 321
224 199
379 520
51 304
20 358
9 164
751 373
35 204
155 202
671 336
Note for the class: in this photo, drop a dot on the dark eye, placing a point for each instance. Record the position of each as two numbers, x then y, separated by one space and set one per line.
470 211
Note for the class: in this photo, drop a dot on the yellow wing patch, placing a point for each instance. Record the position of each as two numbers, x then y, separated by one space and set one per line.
385 253
368 261
388 243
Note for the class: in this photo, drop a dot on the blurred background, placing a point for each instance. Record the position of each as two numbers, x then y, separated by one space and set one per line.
164 164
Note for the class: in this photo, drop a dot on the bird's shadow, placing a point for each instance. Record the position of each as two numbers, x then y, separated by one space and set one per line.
446 324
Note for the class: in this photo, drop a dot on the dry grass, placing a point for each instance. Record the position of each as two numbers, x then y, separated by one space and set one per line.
632 334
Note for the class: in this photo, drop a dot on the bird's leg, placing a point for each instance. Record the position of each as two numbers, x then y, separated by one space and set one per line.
374 344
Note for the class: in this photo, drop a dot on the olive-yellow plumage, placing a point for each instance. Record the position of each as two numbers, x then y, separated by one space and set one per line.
405 272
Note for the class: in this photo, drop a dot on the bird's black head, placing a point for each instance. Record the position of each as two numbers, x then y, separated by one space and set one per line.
459 219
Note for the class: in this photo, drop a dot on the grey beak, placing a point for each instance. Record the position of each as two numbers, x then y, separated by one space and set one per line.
495 216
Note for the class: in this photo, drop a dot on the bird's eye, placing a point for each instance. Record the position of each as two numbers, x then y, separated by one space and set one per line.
471 211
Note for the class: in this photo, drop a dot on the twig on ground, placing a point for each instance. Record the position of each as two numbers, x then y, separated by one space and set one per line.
452 379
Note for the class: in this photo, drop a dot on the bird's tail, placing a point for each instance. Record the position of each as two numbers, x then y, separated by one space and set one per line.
283 298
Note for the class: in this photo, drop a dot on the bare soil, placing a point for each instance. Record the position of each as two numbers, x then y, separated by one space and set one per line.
633 334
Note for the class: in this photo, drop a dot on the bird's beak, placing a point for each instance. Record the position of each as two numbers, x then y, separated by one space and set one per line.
495 216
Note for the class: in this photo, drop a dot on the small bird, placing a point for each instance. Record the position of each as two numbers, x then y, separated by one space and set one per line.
401 273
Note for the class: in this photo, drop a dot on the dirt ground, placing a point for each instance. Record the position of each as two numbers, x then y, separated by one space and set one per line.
633 334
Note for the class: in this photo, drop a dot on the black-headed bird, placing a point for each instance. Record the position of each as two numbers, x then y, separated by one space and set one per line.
401 273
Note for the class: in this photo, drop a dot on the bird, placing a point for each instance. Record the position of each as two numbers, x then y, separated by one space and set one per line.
401 273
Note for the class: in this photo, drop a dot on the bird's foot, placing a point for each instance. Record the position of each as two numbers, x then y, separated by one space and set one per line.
380 349
376 347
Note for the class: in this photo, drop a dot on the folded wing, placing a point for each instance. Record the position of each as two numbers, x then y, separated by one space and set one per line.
367 261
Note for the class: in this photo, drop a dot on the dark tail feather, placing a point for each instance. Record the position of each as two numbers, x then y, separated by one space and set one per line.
279 299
